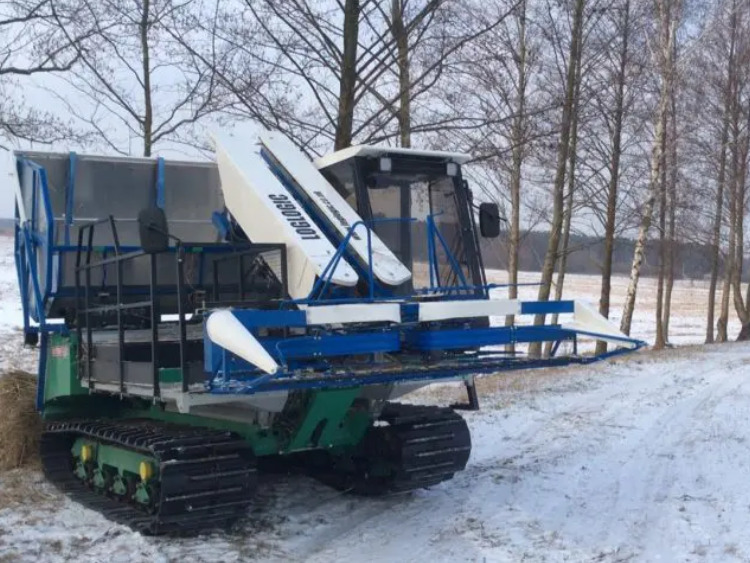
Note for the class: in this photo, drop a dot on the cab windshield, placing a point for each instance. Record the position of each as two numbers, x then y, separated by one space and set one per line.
436 203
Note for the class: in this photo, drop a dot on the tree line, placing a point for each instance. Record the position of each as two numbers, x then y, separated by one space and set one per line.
612 119
586 254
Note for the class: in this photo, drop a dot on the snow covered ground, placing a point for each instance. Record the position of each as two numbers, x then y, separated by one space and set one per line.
639 459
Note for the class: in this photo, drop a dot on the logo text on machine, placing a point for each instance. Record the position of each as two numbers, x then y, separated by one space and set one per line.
336 213
294 217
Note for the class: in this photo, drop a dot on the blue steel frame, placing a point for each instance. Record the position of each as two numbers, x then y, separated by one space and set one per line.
307 357
34 246
28 238
304 359
266 383
466 290
434 233
343 251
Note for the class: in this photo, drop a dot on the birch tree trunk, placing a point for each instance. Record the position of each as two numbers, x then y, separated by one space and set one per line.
660 340
646 215
716 236
614 178
148 113
723 321
739 206
348 80
568 212
729 267
550 257
732 124
517 138
401 38
672 206
666 36
721 325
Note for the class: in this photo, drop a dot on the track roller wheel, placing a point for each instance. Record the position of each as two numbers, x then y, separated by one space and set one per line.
408 448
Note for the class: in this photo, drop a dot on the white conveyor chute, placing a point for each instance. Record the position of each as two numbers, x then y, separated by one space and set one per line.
224 329
313 187
268 213
587 321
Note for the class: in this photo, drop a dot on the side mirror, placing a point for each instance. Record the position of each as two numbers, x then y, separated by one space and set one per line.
153 230
489 220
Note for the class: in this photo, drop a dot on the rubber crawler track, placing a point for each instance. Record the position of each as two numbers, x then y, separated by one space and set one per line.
421 445
207 477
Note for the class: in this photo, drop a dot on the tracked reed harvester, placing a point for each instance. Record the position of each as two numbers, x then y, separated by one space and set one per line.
193 318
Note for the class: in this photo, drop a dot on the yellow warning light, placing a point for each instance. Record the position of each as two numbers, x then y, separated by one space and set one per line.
146 470
87 453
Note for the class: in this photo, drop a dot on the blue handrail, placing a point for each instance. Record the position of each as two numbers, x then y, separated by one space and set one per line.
322 283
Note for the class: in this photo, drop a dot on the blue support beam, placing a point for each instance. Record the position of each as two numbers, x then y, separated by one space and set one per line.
333 345
70 195
314 348
547 307
259 318
221 224
260 384
462 338
160 196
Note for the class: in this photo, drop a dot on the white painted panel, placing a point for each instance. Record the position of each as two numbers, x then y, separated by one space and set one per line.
224 329
375 151
353 313
386 267
268 213
12 170
469 308
588 319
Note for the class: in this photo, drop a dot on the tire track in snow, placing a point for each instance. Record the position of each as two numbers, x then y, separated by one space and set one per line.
649 477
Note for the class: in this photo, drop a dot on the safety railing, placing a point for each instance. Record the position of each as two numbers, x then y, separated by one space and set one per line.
91 316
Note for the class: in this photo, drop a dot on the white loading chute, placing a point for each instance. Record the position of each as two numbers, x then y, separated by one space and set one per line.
268 213
333 209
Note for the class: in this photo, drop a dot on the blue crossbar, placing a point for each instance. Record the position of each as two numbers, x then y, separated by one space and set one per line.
456 339
333 345
434 373
256 318
305 347
546 307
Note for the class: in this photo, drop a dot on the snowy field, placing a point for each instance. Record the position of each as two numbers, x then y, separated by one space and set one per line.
639 459
689 303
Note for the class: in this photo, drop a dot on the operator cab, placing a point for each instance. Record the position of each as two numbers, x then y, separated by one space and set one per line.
420 206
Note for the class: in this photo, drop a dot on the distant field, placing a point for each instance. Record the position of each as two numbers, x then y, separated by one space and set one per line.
689 303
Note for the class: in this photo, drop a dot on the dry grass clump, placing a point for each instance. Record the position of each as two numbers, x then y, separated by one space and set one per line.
20 424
